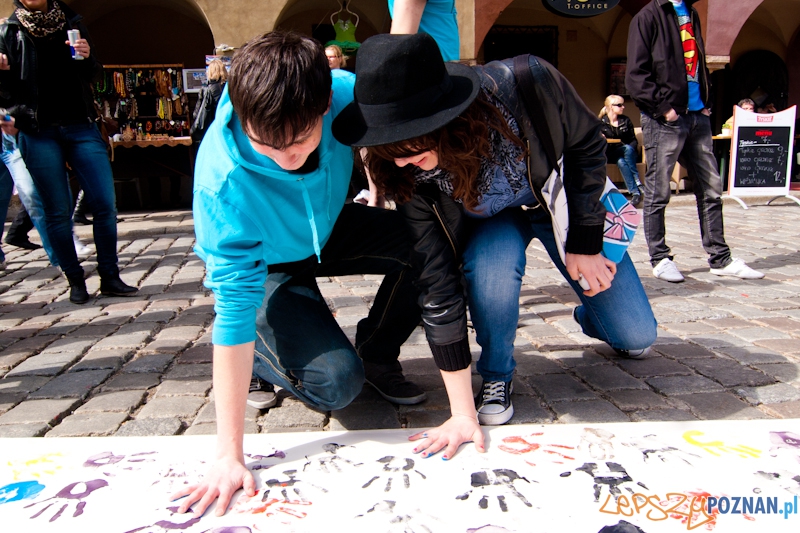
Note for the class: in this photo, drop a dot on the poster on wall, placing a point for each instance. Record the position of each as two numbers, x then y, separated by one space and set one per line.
762 147
194 79
616 77
580 8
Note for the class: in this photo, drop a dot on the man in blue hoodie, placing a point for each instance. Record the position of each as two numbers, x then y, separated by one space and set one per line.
270 216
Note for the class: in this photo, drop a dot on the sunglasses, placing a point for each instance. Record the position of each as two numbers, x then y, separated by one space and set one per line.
618 105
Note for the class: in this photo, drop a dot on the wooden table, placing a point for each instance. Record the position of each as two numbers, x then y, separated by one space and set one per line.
156 143
172 141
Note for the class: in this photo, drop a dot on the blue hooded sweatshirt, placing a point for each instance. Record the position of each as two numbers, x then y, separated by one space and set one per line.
249 213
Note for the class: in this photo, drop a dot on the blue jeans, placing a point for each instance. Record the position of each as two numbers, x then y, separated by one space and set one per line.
46 154
624 156
494 263
27 191
6 189
687 140
299 344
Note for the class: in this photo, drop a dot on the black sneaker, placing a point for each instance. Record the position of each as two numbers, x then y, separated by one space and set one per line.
262 394
633 354
493 403
390 383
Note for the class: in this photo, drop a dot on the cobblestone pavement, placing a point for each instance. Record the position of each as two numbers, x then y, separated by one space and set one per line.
727 348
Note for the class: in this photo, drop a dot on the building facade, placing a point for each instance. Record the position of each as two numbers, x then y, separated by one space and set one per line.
750 44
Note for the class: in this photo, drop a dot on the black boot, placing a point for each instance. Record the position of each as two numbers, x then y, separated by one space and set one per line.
390 383
18 232
115 287
77 290
79 215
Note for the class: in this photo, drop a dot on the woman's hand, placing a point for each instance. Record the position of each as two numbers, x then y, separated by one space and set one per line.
226 477
596 269
81 47
8 126
450 435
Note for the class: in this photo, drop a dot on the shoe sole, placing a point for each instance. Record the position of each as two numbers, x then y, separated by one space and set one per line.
122 294
263 405
412 400
721 274
670 280
496 419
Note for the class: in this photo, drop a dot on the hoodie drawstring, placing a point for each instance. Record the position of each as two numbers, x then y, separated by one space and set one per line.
311 221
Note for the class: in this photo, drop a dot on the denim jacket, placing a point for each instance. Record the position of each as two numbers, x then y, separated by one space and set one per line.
438 224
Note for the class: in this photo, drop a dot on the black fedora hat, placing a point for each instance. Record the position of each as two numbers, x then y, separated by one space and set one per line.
404 89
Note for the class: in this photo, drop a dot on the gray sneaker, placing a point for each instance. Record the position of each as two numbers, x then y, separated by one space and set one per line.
262 394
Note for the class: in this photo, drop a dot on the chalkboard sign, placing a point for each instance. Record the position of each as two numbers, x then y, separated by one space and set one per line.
762 147
761 156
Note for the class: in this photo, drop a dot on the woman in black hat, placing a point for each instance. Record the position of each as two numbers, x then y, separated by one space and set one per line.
456 148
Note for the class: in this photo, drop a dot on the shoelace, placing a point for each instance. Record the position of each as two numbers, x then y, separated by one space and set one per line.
494 391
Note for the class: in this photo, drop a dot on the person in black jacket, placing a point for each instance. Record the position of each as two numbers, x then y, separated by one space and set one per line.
54 114
453 145
206 108
667 78
623 153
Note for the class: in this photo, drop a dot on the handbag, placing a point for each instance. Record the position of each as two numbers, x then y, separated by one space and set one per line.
622 218
200 123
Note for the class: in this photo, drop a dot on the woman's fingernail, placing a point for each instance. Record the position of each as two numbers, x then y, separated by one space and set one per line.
445 458
415 450
424 434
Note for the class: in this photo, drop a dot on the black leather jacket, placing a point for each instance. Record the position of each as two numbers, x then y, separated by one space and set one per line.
19 85
656 73
439 226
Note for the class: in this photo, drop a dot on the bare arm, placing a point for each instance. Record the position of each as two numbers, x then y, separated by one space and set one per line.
463 423
407 14
233 367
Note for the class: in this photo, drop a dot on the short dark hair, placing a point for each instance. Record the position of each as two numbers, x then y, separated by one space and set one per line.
279 85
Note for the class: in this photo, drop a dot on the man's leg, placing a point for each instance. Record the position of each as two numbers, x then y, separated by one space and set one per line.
663 144
620 316
368 240
701 166
494 263
299 345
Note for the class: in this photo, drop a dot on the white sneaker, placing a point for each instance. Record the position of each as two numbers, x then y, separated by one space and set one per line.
81 249
667 271
738 269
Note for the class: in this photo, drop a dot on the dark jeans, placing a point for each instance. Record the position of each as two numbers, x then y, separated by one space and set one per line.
299 344
624 155
46 154
687 140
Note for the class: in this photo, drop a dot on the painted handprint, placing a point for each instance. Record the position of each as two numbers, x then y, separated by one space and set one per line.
332 460
653 449
597 444
167 525
609 475
395 467
74 493
22 490
387 516
532 449
110 465
282 498
499 482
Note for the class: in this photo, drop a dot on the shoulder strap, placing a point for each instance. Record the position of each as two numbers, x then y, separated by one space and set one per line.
527 90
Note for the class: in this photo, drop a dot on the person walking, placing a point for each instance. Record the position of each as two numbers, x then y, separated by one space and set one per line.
667 78
54 114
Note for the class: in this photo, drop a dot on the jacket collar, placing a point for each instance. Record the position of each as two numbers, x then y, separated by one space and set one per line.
689 3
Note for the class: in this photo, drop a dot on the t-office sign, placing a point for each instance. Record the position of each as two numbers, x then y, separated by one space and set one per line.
580 8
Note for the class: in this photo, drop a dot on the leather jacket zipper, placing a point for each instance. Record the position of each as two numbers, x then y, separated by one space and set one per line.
445 228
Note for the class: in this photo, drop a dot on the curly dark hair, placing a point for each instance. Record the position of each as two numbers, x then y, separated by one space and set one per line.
460 146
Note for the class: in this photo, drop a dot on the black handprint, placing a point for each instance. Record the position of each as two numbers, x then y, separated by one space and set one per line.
612 476
385 515
333 461
499 478
67 496
388 466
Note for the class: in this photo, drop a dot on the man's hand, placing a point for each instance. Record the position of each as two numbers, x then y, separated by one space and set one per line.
596 269
81 47
706 111
226 477
4 62
671 115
